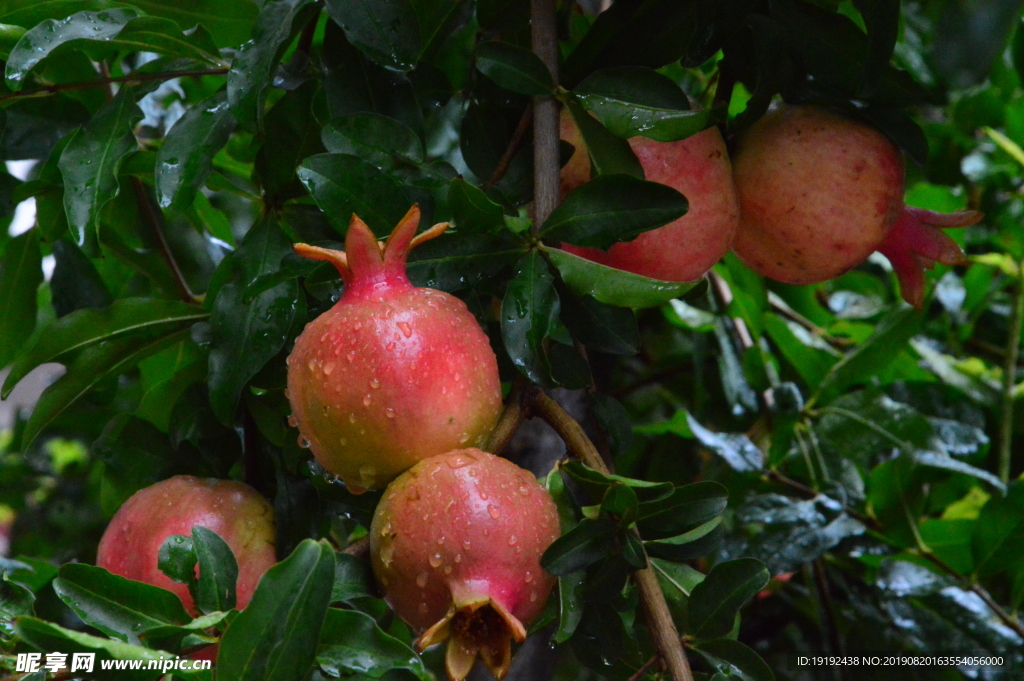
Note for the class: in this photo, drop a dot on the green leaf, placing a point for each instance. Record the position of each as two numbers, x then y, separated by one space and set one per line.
387 32
118 607
514 68
600 326
613 208
634 100
255 62
715 602
114 29
21 273
811 363
276 636
106 359
379 140
998 539
585 544
613 286
596 484
228 21
352 643
882 19
620 501
529 312
472 211
609 155
84 328
76 283
570 586
699 541
186 158
739 452
686 507
733 660
177 560
218 571
343 185
171 636
457 262
352 579
873 355
89 165
896 499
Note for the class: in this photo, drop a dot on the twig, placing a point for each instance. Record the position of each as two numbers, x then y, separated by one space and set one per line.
643 670
514 415
655 608
360 548
155 221
827 606
1009 374
132 78
545 113
513 147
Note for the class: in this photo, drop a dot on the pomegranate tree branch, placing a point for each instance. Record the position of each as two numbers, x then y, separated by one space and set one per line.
360 548
132 78
545 113
514 145
512 417
155 220
1009 376
652 599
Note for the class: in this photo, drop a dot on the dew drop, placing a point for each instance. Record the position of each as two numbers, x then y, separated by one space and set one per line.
389 412
465 544
342 441
440 540
311 364
328 368
512 540
390 346
303 442
421 580
524 490
351 355
464 438
374 383
351 417
447 569
423 607
292 421
367 473
533 596
367 400
406 329
528 577
484 495
493 511
435 560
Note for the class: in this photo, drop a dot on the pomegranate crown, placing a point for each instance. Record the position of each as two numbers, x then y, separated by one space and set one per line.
366 262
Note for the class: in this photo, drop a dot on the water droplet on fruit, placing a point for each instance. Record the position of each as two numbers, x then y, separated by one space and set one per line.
484 495
374 383
421 580
389 412
440 540
311 364
533 596
387 553
465 544
367 400
342 441
528 577
351 417
487 532
458 557
512 540
435 560
292 421
447 569
493 511
328 368
287 394
406 329
367 473
303 442
351 355
389 346
423 607
524 490
464 438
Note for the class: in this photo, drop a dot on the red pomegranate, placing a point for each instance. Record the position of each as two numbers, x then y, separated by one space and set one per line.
392 373
455 546
698 167
820 191
235 511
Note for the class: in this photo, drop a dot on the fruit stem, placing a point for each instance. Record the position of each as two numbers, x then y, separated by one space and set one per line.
514 415
659 618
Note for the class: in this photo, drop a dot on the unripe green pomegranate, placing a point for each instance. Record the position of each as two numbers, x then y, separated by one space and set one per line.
392 373
455 545
698 167
239 514
820 191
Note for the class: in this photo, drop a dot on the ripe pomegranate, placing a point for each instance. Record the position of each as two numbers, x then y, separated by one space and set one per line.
820 191
235 511
683 250
392 373
455 545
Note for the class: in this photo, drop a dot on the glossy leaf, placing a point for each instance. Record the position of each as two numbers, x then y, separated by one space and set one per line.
352 643
386 32
733 660
21 273
377 139
686 507
218 571
472 210
585 544
228 21
612 286
997 538
529 312
514 68
119 607
609 155
613 208
596 484
84 328
600 326
715 602
343 185
699 541
186 158
352 579
276 635
570 586
739 452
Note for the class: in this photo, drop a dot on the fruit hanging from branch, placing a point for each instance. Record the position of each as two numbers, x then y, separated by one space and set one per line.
455 545
392 373
698 167
819 192
236 512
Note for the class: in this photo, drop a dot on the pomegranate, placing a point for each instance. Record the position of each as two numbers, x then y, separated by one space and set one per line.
455 545
820 191
235 511
392 373
698 167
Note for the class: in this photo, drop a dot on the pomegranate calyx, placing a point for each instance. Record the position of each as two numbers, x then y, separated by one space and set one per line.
481 628
915 243
366 262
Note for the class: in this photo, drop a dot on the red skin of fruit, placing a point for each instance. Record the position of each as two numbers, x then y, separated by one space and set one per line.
455 545
238 513
683 250
392 373
820 191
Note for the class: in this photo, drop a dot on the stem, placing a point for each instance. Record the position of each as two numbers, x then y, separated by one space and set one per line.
545 113
360 548
643 670
659 618
513 147
514 415
1009 374
51 90
156 223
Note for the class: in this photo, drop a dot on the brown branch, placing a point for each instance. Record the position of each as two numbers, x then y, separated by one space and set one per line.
655 608
643 670
131 78
155 220
515 413
360 548
545 113
513 147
